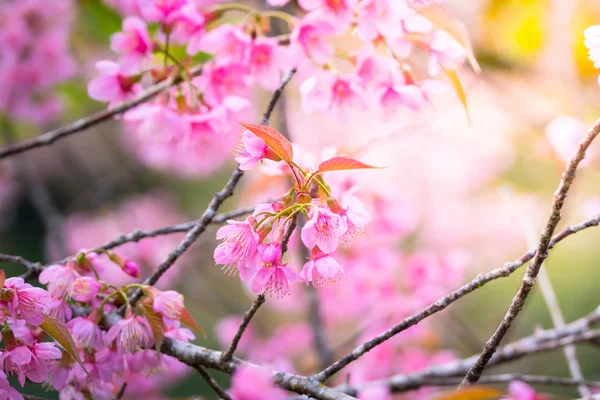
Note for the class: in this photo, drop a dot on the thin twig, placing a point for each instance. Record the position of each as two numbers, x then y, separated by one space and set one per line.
212 383
481 279
507 378
534 267
227 354
82 124
18 260
121 393
551 301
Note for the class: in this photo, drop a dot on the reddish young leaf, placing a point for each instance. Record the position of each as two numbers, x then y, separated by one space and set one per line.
275 140
340 163
156 325
2 278
59 332
187 319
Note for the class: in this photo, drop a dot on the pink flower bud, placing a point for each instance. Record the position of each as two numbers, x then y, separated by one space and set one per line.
131 269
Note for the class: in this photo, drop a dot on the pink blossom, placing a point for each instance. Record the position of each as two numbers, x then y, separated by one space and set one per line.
130 334
60 309
189 28
33 362
229 44
273 277
309 39
221 81
86 333
250 150
239 247
521 391
85 289
266 61
564 134
445 52
157 123
169 304
7 392
340 12
59 279
354 213
321 270
410 94
250 383
133 43
163 11
375 392
22 299
113 85
323 229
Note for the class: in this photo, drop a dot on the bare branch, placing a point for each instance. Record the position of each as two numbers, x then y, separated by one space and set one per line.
226 356
507 378
534 267
82 124
212 383
18 260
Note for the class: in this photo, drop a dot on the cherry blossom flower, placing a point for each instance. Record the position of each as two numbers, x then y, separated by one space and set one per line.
229 44
59 279
163 11
84 289
86 333
133 43
250 151
169 304
33 362
322 269
446 53
23 300
340 12
130 334
190 28
309 39
266 61
7 392
273 277
239 247
518 390
323 229
114 85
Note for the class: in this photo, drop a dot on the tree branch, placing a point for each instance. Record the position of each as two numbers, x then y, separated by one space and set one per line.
226 356
82 124
481 279
212 383
534 267
18 260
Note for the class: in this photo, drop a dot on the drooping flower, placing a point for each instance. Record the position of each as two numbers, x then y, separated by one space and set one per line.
59 279
239 247
85 289
250 151
133 43
251 383
273 277
86 333
33 362
130 334
309 40
114 84
23 300
323 229
169 304
322 269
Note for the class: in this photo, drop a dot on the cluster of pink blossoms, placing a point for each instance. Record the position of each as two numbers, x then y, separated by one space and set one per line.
35 57
194 123
123 353
253 248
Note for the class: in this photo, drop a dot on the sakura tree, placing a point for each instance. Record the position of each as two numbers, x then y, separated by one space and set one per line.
325 235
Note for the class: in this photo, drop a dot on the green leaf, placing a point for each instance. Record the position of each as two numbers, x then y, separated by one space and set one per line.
458 89
156 325
59 332
441 18
275 140
341 163
187 319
